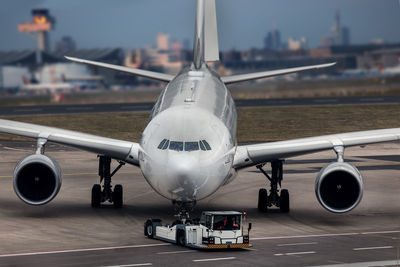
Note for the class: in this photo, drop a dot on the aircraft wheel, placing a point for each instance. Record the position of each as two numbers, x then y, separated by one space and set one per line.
96 195
118 196
262 200
180 239
148 229
284 205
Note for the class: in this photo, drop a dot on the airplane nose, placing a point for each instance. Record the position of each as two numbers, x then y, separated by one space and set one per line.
186 176
183 170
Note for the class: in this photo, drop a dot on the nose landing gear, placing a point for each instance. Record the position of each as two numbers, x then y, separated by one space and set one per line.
275 198
183 209
107 194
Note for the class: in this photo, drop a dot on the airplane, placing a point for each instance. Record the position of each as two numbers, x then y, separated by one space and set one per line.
188 149
45 87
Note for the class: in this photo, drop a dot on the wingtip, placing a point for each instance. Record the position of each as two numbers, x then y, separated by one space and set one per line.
73 59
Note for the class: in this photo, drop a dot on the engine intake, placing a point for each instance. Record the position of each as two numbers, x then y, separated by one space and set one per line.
339 187
37 179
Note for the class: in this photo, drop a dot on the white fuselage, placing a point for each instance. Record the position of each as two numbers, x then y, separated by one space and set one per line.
174 159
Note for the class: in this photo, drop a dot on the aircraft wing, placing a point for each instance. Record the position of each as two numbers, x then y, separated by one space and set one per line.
117 149
272 73
251 155
144 73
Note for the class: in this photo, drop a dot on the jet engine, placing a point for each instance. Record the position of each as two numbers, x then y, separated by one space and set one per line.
339 187
37 179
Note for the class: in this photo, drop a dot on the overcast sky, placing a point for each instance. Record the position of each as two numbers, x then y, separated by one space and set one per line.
241 23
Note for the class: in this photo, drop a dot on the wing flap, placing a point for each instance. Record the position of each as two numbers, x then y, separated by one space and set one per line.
272 73
118 149
251 155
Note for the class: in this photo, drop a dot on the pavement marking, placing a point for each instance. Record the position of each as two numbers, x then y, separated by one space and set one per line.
297 244
79 108
295 253
364 264
215 259
372 248
176 252
131 265
92 173
27 110
78 250
324 235
16 149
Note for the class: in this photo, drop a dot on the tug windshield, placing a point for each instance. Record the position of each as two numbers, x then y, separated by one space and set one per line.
226 222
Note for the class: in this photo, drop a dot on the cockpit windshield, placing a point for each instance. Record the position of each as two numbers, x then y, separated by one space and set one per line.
175 145
188 146
191 146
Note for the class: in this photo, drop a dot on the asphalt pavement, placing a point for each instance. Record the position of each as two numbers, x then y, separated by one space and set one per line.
68 232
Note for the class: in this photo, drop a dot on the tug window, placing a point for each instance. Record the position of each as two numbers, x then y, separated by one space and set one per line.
191 146
175 145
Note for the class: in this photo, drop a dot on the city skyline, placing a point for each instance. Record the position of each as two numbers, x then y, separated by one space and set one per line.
241 25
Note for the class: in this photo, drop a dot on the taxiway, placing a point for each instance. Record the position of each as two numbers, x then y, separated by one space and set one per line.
68 232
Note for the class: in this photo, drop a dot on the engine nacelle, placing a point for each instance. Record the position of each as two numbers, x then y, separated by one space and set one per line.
339 187
37 179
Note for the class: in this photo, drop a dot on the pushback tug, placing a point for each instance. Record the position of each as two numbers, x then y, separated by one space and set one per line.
214 230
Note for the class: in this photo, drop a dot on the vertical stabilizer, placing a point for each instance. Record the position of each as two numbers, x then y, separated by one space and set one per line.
206 35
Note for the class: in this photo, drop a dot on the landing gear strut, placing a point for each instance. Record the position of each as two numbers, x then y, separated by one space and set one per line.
274 198
99 196
183 209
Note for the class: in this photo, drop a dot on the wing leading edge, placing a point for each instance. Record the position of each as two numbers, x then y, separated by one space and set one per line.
118 149
251 155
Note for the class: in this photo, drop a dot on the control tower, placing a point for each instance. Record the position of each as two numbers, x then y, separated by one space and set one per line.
41 24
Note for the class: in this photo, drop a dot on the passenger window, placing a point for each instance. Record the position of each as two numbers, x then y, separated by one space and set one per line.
162 144
191 146
165 145
174 145
206 145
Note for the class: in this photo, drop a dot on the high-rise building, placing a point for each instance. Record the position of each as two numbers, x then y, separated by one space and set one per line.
299 44
273 40
345 35
65 44
162 42
340 34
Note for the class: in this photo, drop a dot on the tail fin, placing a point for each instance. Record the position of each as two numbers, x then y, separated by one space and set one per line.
205 46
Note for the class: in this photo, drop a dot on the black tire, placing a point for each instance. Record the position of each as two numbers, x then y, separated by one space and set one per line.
262 200
180 238
149 229
285 201
96 196
118 196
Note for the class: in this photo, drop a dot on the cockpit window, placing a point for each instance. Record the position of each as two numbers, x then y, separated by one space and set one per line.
165 145
202 147
175 145
160 146
191 146
206 145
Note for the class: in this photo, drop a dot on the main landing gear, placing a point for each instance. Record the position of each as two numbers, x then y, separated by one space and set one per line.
99 196
274 198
